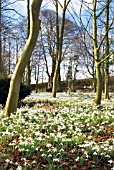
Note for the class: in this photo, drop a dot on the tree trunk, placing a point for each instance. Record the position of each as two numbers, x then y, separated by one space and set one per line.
106 78
55 79
28 70
50 82
106 82
59 53
28 74
97 100
12 100
9 58
55 74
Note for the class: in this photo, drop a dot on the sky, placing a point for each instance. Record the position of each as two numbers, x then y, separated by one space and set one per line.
47 4
21 7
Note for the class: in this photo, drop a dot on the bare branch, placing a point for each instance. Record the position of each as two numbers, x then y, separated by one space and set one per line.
112 52
10 9
103 9
106 34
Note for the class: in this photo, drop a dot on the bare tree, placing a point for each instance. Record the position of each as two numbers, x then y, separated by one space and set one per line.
99 60
96 13
12 100
60 45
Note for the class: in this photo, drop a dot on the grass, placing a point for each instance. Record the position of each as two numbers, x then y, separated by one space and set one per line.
63 134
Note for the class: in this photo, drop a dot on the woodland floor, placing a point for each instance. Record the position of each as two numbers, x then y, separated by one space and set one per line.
63 133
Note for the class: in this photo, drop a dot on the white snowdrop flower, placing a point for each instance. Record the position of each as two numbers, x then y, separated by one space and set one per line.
43 155
95 153
26 163
90 137
85 152
107 156
77 159
96 148
52 134
87 156
36 149
105 149
102 147
49 145
111 147
50 156
37 133
23 159
19 168
61 150
7 160
54 149
40 138
110 161
56 160
59 135
34 162
21 149
73 150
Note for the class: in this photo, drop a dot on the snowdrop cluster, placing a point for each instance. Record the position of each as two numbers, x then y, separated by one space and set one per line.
72 127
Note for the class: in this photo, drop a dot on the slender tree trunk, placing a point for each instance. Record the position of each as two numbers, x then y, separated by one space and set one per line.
28 70
53 70
37 77
55 79
28 74
97 100
55 74
106 78
12 100
60 45
9 57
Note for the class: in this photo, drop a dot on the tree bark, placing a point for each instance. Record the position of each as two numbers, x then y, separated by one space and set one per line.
59 54
12 100
106 73
28 70
97 100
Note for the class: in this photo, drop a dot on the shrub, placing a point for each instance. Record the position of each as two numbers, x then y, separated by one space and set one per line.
4 89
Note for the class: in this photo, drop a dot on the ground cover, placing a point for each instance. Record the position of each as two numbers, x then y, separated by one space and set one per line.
64 133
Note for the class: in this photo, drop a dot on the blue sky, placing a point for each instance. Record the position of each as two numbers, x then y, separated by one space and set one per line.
48 4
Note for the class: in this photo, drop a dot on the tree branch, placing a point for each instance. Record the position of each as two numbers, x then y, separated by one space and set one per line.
10 9
103 9
105 34
112 52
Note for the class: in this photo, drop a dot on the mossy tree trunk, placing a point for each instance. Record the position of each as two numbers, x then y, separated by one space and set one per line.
12 100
